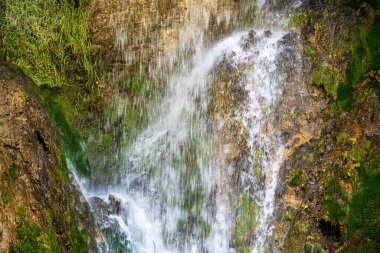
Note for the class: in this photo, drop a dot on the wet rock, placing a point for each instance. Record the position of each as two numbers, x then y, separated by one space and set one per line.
250 40
114 205
110 236
103 208
267 33
99 206
252 35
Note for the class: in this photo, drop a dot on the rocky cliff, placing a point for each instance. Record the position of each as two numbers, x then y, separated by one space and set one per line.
41 208
329 201
329 198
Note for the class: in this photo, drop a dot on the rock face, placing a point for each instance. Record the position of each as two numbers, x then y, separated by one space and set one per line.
41 209
140 41
328 200
129 32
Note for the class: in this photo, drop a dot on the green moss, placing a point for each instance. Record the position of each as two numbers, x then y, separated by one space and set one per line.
117 242
298 19
247 14
32 238
289 215
75 237
358 154
246 223
342 138
365 207
335 210
78 239
365 56
105 140
309 52
13 172
62 171
60 112
328 77
7 195
296 177
26 96
363 246
137 84
9 177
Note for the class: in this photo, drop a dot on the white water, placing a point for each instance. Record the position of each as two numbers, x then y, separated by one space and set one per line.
264 86
178 120
177 157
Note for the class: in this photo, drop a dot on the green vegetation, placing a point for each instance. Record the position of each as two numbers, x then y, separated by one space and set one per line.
9 178
323 52
193 197
347 174
327 54
48 40
296 178
60 111
79 240
335 210
13 172
297 19
309 52
246 223
365 206
117 241
54 233
141 90
365 55
32 238
328 77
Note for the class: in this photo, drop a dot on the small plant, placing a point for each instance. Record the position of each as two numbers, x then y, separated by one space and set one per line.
13 172
297 20
289 216
309 52
302 227
295 178
26 96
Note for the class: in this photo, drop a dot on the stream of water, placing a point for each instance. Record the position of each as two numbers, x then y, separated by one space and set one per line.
175 192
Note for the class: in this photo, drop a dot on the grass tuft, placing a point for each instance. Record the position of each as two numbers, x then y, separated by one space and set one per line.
49 41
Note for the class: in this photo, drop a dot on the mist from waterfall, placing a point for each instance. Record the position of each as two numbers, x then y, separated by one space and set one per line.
173 190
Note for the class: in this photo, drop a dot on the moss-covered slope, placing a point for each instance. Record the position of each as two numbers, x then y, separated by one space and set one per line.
41 209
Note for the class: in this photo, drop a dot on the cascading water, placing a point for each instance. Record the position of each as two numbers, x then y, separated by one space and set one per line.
174 191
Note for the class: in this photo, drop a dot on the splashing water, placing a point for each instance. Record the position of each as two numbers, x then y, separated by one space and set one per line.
175 192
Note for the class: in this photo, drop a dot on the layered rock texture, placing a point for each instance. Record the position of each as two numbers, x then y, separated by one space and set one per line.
41 208
328 201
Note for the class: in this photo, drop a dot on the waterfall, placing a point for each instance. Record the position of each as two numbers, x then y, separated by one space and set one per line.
173 190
